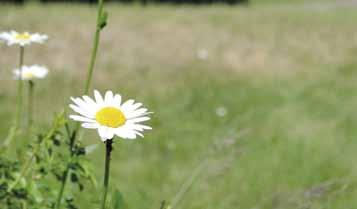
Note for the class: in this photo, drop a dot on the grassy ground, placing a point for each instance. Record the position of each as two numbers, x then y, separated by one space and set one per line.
286 77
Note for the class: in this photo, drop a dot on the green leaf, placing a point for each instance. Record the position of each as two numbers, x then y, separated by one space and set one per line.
118 200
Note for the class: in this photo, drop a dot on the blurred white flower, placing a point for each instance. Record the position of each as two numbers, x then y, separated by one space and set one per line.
202 54
22 39
31 72
221 111
110 116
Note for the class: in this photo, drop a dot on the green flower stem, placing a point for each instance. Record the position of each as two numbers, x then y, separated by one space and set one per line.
30 105
99 27
95 46
20 88
17 119
109 148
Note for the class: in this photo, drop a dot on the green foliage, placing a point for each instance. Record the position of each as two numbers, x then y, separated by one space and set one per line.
118 200
36 184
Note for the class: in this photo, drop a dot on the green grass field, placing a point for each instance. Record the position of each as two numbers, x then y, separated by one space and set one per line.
286 76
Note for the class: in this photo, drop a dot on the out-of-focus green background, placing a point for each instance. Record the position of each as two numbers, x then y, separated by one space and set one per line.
261 99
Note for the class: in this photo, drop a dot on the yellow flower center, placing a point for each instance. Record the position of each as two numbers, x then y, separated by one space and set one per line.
23 36
28 75
111 117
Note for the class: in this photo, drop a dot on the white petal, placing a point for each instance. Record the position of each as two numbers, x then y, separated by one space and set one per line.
81 111
121 132
131 135
38 38
136 106
105 133
81 119
81 104
108 98
125 133
137 120
84 104
140 127
88 100
91 103
90 125
117 100
133 107
136 113
98 98
127 104
138 133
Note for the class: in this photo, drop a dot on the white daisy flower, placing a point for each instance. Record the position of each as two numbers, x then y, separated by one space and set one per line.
22 39
31 72
110 116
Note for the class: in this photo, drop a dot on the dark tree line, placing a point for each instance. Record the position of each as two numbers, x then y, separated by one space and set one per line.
132 1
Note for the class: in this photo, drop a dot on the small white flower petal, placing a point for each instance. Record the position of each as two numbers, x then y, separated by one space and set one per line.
108 97
81 111
90 103
137 120
117 100
126 133
127 104
98 97
105 133
137 113
140 127
138 133
90 125
81 119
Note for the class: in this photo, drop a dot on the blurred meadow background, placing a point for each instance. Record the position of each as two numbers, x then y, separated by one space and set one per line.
256 104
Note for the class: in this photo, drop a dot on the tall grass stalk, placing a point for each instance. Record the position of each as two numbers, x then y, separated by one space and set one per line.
17 120
101 21
188 183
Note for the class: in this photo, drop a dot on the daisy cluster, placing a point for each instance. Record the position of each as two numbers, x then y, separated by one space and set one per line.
24 39
109 115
